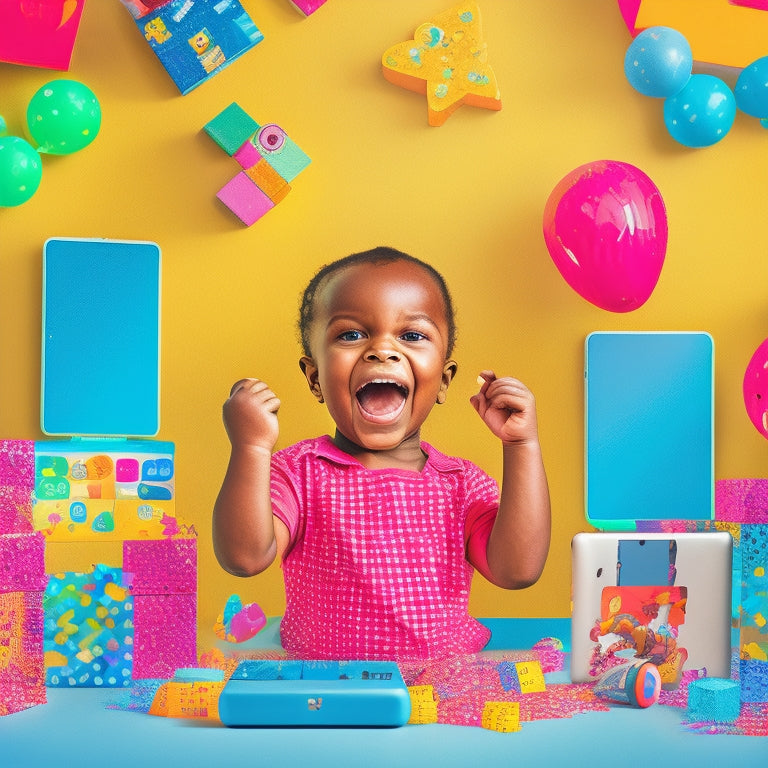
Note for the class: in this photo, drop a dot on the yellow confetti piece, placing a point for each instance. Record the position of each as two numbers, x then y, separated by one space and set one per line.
193 700
530 676
501 716
423 704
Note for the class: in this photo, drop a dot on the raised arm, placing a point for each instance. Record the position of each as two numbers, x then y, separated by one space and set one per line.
519 540
243 528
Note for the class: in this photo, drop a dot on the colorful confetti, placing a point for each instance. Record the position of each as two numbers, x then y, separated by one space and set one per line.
89 629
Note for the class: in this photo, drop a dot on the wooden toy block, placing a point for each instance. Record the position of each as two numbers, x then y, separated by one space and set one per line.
245 199
268 180
447 61
231 127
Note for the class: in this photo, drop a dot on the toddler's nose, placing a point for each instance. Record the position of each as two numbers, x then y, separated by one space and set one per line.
381 353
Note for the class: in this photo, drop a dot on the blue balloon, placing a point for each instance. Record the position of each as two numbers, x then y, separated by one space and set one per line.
751 89
702 113
658 62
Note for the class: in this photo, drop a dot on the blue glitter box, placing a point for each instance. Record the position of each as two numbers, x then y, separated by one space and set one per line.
194 39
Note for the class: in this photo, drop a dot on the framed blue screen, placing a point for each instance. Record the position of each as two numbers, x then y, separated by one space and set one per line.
101 338
649 431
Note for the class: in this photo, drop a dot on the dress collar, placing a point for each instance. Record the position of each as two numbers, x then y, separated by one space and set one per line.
326 449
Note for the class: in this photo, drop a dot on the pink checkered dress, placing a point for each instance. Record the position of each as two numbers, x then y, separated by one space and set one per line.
376 567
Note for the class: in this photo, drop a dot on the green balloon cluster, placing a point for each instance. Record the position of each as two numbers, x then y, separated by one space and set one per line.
63 117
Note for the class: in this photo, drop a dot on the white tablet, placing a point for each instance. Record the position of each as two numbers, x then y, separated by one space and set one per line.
658 596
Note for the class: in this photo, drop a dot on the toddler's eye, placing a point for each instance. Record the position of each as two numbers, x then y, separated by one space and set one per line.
413 336
351 336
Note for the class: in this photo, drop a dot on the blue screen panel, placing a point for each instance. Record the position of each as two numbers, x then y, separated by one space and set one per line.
101 338
649 452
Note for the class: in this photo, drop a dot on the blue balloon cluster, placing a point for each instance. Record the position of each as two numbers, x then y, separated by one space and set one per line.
699 109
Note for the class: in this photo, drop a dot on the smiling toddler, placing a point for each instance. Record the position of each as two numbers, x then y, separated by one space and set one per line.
378 532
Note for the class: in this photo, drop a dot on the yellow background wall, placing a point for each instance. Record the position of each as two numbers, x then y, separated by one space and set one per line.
467 196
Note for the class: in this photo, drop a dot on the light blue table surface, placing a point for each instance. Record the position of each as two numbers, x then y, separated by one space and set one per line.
74 729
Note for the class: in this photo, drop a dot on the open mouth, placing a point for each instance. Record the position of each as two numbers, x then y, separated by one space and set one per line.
382 400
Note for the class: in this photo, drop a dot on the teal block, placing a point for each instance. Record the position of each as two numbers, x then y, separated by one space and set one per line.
231 127
280 151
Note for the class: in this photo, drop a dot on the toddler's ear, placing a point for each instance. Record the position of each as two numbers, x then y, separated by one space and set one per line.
449 371
309 369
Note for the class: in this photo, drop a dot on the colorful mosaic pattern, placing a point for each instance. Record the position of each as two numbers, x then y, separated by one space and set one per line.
753 640
89 629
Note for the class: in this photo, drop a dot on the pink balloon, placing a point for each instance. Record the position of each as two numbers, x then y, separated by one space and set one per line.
756 389
605 226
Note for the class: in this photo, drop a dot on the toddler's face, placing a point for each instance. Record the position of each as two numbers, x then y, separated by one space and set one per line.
379 342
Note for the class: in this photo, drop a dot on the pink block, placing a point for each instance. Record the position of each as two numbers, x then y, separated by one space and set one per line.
17 482
22 562
247 155
245 199
161 567
40 34
165 635
307 7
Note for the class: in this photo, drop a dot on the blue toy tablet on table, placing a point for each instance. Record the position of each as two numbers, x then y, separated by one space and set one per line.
275 693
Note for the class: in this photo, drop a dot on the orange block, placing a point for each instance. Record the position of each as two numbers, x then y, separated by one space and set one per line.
268 180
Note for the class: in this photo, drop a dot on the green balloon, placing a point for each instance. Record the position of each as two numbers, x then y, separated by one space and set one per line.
63 117
20 171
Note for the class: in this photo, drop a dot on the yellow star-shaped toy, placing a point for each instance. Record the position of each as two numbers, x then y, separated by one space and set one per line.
447 60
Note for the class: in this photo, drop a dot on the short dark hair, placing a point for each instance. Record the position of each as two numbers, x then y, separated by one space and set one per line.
379 255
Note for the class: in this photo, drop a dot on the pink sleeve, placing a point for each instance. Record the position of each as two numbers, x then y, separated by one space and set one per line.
477 531
285 501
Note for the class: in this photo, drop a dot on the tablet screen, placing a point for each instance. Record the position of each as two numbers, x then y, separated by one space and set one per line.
649 427
101 338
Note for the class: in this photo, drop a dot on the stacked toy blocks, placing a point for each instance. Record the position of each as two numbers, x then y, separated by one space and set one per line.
112 625
269 159
165 605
